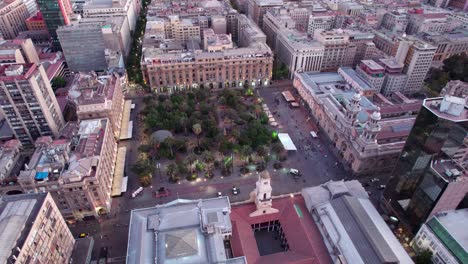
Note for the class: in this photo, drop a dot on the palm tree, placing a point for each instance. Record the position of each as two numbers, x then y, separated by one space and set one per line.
191 158
171 171
245 152
170 142
196 128
209 159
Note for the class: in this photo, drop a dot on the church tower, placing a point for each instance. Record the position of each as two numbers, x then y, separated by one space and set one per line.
353 108
372 127
262 195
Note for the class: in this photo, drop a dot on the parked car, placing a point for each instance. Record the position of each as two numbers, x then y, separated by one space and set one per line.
220 194
82 235
295 172
161 192
235 190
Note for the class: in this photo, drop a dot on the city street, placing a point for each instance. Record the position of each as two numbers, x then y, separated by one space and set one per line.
314 159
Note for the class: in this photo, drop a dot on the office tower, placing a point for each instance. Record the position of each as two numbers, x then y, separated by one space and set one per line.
430 175
256 9
416 55
56 13
13 15
28 102
83 47
336 44
372 72
33 230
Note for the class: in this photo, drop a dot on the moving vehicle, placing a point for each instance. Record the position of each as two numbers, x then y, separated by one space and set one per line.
161 192
138 191
220 194
235 190
381 187
375 180
82 235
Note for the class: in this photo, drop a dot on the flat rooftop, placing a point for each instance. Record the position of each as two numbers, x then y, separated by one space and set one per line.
454 109
181 232
450 228
372 65
17 214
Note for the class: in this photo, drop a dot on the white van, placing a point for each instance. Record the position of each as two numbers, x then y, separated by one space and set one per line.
313 134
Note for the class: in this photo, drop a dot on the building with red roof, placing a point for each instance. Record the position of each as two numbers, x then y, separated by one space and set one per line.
301 239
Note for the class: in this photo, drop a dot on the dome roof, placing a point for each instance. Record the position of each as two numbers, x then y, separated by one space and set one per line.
376 115
357 96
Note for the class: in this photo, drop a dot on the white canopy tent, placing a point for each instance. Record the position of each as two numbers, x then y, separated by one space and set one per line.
286 141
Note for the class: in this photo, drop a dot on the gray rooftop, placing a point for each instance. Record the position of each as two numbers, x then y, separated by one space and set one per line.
455 224
352 223
179 232
17 213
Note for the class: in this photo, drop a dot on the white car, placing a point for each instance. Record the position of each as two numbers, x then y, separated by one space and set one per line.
295 172
235 190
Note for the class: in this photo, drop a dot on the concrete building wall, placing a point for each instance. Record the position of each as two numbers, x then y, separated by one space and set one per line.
49 239
30 106
83 47
13 17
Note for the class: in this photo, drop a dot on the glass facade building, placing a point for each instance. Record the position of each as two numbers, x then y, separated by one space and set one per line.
55 13
430 175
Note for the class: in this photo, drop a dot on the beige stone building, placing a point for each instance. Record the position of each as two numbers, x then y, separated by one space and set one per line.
77 169
256 9
367 133
33 230
98 97
13 15
166 72
28 102
18 51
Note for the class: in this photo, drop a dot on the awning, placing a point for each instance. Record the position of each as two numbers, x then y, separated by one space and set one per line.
119 172
286 141
124 184
126 127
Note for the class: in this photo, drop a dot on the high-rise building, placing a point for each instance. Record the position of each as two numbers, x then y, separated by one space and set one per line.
76 169
33 230
417 58
28 102
13 15
256 9
56 13
9 155
372 72
83 47
336 44
18 51
395 79
431 173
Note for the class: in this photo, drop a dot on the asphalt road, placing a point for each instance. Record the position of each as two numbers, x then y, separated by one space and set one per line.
313 158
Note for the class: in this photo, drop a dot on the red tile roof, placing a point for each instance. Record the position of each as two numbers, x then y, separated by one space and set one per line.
305 242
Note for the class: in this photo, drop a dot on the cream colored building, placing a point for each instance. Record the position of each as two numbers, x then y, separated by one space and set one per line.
98 97
76 169
13 15
368 133
167 72
33 230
